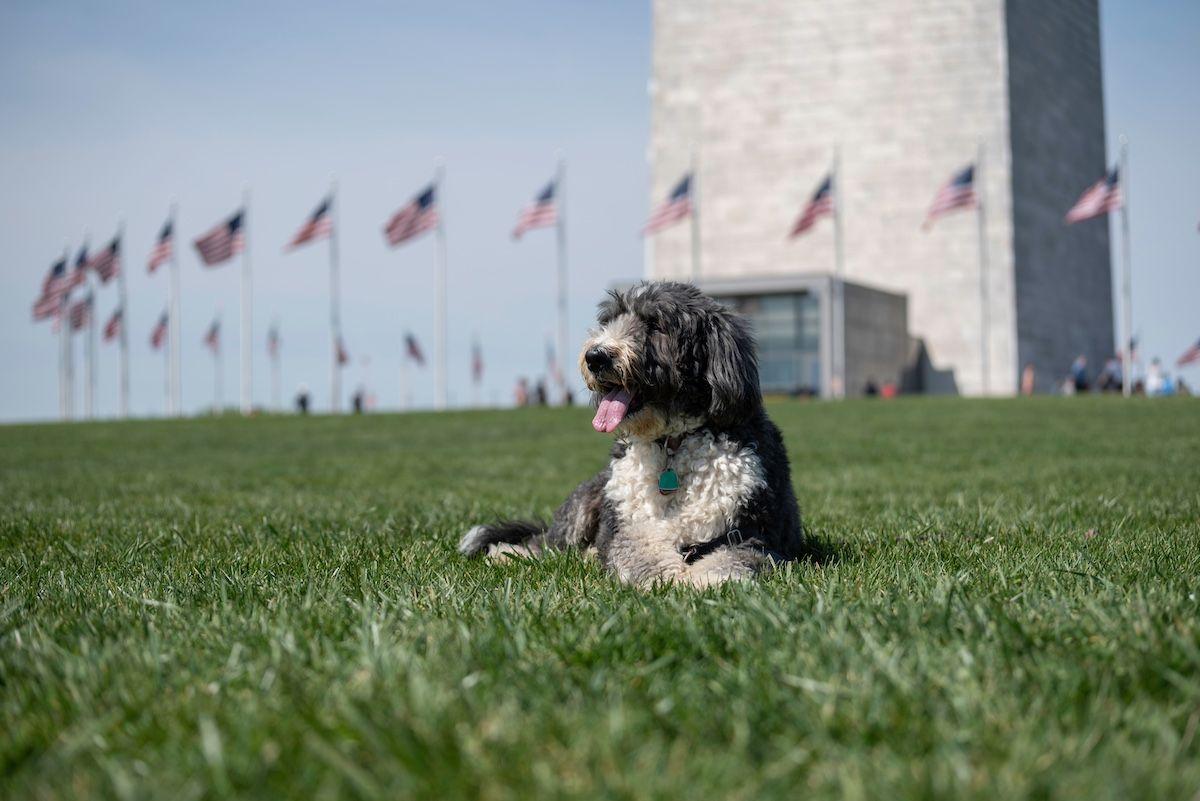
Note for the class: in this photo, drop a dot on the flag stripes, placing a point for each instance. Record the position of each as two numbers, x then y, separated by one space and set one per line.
78 276
55 286
957 193
820 205
319 225
1190 356
222 242
676 207
159 335
56 282
47 306
113 327
163 249
541 213
107 263
1098 199
416 217
81 314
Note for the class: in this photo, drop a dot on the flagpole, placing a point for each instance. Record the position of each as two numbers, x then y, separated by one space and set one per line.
89 390
694 189
167 364
1127 277
175 321
123 297
838 311
440 299
404 379
335 322
247 307
62 341
276 381
69 350
476 398
170 341
66 319
560 196
89 355
984 312
218 400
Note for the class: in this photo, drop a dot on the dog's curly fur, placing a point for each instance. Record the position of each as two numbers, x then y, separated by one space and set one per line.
688 366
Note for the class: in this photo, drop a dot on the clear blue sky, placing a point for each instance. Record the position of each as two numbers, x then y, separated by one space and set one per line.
109 110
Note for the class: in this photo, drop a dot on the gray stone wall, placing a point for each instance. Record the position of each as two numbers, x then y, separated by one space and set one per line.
761 94
876 337
1064 291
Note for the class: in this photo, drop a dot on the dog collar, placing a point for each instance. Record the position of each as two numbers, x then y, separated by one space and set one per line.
668 479
671 443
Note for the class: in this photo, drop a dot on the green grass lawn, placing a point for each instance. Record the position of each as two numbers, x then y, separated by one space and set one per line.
274 608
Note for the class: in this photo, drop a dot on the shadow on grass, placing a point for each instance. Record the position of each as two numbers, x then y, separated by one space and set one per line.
823 552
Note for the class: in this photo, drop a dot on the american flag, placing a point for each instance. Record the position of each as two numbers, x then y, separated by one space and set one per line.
107 263
819 206
81 313
1099 199
47 306
676 207
113 326
1190 356
541 213
414 349
159 335
476 362
212 340
78 276
958 193
319 225
223 242
163 248
418 216
273 341
343 358
54 286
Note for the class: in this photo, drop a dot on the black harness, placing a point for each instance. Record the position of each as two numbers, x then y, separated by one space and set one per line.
698 550
747 537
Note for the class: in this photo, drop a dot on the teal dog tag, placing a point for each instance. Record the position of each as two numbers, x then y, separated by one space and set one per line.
668 482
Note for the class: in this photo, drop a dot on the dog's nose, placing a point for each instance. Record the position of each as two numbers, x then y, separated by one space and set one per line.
597 359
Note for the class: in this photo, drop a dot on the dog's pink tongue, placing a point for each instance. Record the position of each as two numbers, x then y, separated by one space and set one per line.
612 411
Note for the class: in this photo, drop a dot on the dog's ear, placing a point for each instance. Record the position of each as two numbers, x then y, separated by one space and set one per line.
732 368
610 307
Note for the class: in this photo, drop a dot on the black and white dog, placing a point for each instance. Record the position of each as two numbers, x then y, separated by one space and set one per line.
698 489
